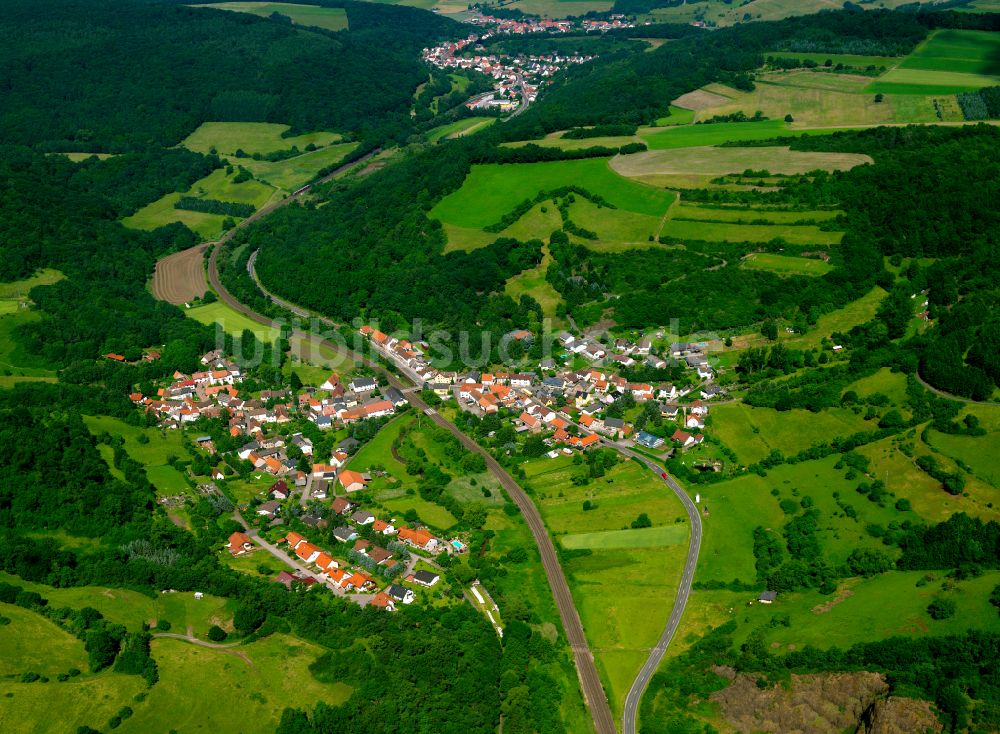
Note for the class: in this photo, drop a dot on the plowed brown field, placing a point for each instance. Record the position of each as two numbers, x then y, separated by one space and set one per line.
180 277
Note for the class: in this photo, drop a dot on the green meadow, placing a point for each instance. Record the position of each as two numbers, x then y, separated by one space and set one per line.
754 432
949 61
332 19
689 136
154 454
292 173
735 507
252 137
625 587
15 361
677 116
217 185
490 191
728 232
532 282
261 679
460 128
231 321
785 265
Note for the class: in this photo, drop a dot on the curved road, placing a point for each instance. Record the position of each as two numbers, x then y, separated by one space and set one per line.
590 682
631 711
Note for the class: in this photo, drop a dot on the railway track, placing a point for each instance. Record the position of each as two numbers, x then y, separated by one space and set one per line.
590 681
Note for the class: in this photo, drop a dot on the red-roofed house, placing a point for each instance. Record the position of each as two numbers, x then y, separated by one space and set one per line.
240 543
352 481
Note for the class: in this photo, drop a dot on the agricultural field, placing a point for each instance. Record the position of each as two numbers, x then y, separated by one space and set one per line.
713 161
154 454
218 185
949 61
460 128
490 191
723 13
180 277
230 321
80 157
625 587
819 99
785 264
561 8
253 137
679 115
332 19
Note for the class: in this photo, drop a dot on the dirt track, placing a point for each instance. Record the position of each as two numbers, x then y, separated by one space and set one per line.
180 277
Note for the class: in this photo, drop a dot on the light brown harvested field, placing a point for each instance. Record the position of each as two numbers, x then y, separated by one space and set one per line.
718 161
180 277
700 99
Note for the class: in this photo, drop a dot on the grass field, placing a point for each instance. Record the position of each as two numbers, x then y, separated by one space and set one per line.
292 173
621 539
561 8
948 61
230 320
78 157
32 643
725 13
614 225
785 265
333 19
216 185
677 116
153 455
855 60
259 680
841 320
17 290
460 128
726 232
753 432
252 137
817 99
625 588
131 608
980 453
690 136
742 214
737 506
706 160
532 282
490 191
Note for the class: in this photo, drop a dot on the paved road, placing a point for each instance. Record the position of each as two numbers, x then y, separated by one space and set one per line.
631 713
590 682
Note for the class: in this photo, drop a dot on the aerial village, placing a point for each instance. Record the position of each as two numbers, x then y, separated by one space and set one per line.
528 24
375 558
516 78
587 393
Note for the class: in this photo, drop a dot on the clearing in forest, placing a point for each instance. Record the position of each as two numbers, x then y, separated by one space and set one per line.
332 19
180 277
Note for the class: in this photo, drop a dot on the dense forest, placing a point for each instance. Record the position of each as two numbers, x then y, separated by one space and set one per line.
71 82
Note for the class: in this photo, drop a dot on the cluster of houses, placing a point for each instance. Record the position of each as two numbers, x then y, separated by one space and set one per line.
341 576
515 77
529 25
206 394
341 405
588 392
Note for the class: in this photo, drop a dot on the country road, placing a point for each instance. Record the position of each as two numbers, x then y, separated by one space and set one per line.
634 698
590 681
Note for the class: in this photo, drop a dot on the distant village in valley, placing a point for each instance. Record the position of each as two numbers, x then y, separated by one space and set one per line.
516 78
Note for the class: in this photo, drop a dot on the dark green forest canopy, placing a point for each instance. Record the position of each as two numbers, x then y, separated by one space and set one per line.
96 75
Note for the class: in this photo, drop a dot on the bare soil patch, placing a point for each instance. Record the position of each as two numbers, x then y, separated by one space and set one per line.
700 99
713 161
180 278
